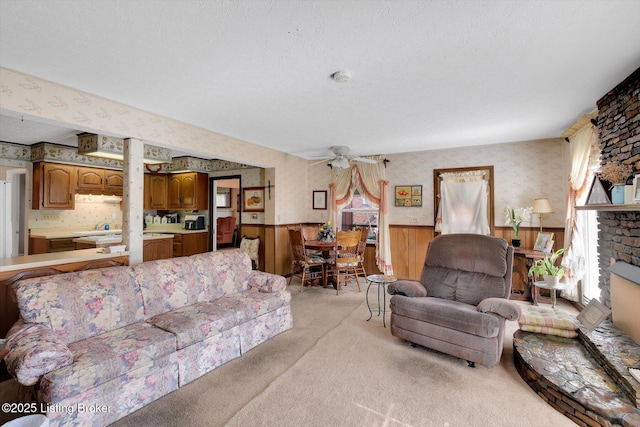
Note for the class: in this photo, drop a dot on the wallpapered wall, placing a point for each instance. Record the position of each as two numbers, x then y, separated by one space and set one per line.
89 211
523 171
42 100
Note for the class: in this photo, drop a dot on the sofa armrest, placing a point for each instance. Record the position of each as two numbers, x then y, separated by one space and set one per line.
408 288
510 310
266 282
34 350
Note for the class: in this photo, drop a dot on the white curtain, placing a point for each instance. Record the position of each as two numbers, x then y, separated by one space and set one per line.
369 180
585 157
463 203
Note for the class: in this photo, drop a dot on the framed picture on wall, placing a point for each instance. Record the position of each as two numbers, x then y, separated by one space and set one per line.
408 195
636 189
253 199
320 200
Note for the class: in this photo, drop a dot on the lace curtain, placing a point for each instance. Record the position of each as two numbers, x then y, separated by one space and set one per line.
584 151
463 203
369 180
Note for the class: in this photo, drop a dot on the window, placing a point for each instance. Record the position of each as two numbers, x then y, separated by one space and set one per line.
588 223
359 213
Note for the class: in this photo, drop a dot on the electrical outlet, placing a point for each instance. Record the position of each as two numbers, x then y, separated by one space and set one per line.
51 217
114 216
413 219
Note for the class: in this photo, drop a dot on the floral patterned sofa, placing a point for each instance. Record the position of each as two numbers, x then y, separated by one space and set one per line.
100 344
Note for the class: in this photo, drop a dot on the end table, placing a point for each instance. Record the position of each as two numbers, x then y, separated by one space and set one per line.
380 280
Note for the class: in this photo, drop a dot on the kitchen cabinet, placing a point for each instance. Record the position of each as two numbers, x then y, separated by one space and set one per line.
39 245
188 191
102 181
155 191
53 186
190 243
153 249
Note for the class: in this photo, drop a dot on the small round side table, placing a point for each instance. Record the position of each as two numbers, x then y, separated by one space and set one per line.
380 280
553 289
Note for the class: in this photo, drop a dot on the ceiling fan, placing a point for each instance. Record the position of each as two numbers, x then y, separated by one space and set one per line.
341 157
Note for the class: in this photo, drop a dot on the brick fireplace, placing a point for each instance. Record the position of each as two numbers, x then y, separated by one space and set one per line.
619 128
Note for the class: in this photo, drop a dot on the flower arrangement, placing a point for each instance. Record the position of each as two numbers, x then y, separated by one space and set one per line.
515 216
615 173
326 233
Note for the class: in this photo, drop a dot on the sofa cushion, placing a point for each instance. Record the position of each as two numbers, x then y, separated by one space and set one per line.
168 284
196 322
82 304
252 304
446 313
102 358
222 272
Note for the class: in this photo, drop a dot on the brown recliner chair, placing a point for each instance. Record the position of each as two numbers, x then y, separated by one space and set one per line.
460 304
224 230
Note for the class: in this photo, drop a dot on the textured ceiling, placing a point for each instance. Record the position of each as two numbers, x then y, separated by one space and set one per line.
425 74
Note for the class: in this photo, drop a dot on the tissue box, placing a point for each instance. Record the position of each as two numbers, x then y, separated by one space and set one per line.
115 248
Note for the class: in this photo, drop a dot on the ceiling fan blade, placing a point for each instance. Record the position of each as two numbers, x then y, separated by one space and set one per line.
321 161
363 160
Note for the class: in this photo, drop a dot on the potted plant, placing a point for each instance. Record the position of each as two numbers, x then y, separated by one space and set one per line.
547 268
616 173
514 217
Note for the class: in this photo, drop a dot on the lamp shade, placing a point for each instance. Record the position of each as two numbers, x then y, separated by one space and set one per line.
542 206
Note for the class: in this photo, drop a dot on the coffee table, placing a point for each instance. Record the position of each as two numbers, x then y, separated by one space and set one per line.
380 280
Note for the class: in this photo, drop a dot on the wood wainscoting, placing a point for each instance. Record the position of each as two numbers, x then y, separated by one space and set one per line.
408 249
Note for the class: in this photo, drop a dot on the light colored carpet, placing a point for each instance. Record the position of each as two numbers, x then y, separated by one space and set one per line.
336 369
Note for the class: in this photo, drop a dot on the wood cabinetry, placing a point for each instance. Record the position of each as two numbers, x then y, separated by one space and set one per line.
153 249
155 191
190 244
53 186
188 191
95 180
39 245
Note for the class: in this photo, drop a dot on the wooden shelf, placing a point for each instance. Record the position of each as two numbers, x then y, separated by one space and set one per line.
609 208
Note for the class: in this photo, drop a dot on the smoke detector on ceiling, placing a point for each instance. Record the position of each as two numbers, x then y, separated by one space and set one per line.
341 76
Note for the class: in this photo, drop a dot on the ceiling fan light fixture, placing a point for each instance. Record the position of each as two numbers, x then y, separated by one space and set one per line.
340 163
341 76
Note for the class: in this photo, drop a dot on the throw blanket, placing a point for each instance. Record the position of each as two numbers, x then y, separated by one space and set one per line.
546 320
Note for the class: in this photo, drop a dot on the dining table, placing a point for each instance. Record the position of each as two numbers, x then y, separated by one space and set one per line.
326 247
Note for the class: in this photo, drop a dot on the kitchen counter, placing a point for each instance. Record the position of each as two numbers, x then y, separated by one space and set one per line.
171 228
108 239
52 259
61 233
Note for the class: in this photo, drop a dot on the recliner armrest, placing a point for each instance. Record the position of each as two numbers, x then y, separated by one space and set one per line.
409 288
510 310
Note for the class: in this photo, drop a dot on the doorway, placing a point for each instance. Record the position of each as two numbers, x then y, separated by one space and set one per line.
224 201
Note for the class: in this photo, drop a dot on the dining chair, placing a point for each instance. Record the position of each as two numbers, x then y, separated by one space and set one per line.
343 265
251 245
303 263
362 247
310 232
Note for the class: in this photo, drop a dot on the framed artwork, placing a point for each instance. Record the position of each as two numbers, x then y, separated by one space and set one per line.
593 314
598 195
408 195
636 189
253 199
320 200
544 242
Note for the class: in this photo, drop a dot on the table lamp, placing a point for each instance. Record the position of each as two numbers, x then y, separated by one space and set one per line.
541 206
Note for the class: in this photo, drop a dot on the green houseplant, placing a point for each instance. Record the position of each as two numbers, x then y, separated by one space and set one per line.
547 268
